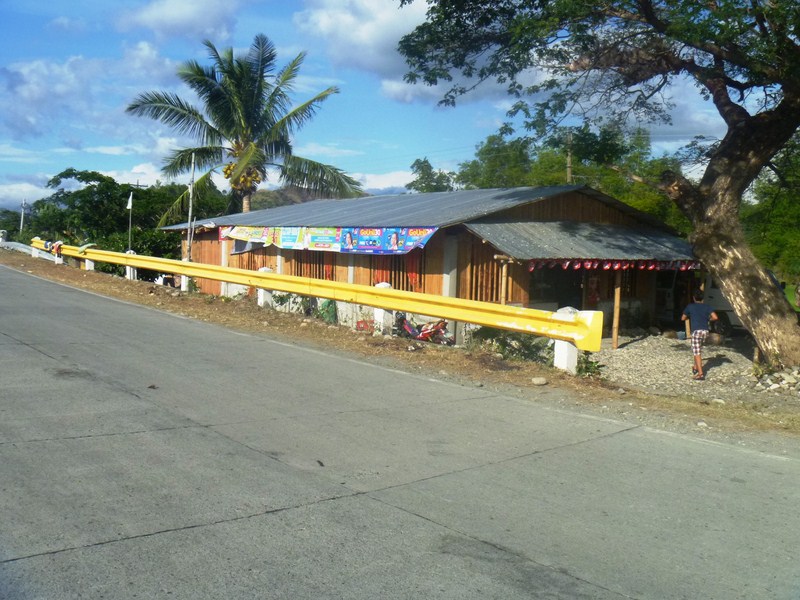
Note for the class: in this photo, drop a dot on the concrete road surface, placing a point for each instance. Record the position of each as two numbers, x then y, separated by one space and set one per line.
144 455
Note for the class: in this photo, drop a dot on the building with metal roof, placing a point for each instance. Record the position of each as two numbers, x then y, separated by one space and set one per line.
543 247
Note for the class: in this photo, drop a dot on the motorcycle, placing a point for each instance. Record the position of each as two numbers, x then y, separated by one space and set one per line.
435 331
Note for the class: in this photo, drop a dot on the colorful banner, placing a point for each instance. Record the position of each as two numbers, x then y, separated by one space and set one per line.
352 240
384 240
248 234
323 238
290 238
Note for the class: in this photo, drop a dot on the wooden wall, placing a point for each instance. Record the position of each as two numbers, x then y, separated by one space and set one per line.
207 249
479 274
572 206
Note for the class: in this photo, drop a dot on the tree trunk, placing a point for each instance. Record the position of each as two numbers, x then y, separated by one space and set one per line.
246 202
761 306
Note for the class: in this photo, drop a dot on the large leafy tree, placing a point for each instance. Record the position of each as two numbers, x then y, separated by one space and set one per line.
428 179
604 159
619 59
500 163
246 125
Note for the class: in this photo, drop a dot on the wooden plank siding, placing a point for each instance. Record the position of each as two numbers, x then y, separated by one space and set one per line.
571 206
478 274
207 249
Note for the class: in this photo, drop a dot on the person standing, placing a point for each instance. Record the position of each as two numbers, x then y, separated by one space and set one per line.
699 316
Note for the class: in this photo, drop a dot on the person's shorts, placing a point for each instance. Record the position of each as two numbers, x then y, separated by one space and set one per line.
698 337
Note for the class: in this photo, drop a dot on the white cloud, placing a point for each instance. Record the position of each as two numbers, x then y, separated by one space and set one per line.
362 34
12 154
205 19
393 179
12 194
142 61
38 93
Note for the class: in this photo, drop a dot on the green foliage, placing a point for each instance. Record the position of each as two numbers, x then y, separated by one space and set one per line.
772 219
148 242
327 312
612 60
514 345
499 163
247 124
428 180
587 366
605 159
9 221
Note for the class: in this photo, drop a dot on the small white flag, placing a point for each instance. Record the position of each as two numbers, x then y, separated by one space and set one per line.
130 201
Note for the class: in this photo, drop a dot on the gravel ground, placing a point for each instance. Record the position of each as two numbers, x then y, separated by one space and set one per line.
662 365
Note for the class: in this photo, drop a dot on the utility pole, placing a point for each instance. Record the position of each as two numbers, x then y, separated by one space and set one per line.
569 158
22 215
190 231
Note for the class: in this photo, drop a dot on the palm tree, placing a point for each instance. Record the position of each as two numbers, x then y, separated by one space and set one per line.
247 123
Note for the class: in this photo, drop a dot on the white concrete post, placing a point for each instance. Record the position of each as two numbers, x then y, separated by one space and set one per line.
566 353
88 265
264 297
379 313
185 280
131 272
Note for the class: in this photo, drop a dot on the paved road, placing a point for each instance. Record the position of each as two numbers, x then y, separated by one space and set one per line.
147 456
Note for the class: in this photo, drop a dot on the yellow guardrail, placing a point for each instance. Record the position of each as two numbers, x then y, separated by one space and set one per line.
582 328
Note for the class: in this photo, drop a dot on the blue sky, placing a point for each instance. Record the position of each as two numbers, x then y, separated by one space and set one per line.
70 67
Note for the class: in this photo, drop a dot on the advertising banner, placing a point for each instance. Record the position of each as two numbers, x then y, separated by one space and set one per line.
352 240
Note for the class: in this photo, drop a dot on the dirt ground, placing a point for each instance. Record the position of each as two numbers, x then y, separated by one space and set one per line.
468 366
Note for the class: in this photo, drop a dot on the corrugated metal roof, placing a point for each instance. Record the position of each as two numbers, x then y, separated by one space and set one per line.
400 210
568 239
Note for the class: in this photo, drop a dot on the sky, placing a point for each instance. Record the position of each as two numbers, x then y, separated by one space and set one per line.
68 69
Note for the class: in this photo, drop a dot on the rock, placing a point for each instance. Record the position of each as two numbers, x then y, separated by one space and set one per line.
669 334
702 424
539 381
717 401
654 331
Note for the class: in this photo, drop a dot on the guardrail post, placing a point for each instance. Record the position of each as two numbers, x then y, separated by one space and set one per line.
185 280
88 265
565 353
264 297
131 272
379 313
